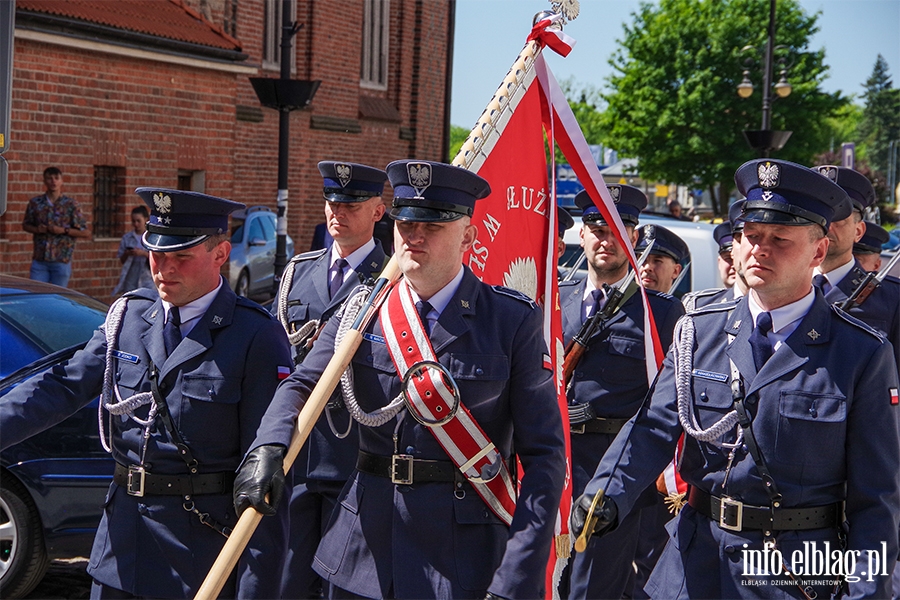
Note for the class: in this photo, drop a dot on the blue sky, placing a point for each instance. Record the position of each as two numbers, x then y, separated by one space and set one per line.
490 33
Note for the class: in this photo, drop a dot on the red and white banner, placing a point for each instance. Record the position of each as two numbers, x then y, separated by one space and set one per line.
517 231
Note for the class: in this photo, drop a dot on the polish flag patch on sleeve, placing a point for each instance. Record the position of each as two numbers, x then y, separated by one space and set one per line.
895 398
283 373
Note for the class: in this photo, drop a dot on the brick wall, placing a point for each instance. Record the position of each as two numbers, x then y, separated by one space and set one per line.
154 118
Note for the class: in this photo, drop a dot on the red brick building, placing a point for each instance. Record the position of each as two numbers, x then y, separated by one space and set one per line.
156 93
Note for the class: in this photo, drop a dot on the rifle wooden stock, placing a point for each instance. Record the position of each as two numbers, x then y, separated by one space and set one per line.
306 420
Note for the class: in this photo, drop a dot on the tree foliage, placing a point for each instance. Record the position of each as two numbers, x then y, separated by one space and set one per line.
881 116
674 104
458 137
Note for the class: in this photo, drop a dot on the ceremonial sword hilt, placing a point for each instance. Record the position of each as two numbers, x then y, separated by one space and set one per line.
590 521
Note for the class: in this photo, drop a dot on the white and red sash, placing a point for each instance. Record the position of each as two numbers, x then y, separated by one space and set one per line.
431 398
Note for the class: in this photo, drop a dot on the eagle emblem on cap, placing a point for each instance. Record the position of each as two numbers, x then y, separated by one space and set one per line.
163 203
419 176
344 173
614 193
768 174
829 172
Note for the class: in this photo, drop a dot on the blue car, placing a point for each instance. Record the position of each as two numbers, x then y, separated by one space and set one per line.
52 485
253 245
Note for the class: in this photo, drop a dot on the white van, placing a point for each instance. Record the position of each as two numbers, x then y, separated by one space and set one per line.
703 273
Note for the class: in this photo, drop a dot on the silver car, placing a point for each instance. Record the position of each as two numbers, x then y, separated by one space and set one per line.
252 262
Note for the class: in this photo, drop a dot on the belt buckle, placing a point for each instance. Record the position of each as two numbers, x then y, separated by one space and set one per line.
577 428
398 463
731 514
135 486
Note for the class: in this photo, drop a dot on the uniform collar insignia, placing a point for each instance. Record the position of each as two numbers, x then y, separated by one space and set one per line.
373 264
813 334
344 173
464 303
217 320
153 314
737 324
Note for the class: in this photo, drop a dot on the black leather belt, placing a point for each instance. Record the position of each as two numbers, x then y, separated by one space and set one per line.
403 469
138 482
734 515
599 425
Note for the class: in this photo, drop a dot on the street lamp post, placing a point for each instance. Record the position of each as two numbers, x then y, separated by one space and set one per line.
765 139
284 95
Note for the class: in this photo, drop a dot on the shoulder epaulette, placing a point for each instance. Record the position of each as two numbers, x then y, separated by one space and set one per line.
514 294
247 303
309 255
714 307
705 293
143 294
689 300
569 283
663 295
857 323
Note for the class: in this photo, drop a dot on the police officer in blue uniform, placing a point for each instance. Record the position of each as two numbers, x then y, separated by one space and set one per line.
609 382
669 255
185 378
786 432
728 237
867 251
408 524
841 273
724 236
314 286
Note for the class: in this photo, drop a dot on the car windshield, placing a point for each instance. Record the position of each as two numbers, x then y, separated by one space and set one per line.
34 325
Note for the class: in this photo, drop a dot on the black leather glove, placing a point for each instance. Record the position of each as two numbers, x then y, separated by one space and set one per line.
606 513
262 473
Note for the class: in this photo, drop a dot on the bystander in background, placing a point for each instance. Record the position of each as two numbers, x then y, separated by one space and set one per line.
134 257
55 220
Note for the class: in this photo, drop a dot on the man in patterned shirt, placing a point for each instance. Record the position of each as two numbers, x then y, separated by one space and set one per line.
55 220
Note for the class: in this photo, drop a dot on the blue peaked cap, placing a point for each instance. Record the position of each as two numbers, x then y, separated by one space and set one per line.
350 182
785 193
872 240
428 191
857 185
629 201
724 236
180 219
667 243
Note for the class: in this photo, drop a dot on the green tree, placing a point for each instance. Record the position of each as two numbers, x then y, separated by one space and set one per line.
881 116
674 103
458 137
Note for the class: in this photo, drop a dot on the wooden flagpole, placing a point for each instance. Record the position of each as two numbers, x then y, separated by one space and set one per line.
472 154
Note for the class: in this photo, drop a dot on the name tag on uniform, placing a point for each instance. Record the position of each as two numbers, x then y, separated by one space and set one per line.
375 339
710 375
126 357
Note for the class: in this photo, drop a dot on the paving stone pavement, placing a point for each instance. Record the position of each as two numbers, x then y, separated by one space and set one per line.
65 579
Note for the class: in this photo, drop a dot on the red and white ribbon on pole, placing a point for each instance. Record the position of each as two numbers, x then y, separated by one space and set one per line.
434 402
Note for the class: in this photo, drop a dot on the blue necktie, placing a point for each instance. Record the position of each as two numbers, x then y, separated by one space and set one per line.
820 281
760 344
424 308
172 331
598 300
338 280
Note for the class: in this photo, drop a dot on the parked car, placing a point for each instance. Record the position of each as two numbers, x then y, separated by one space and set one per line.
703 273
252 262
52 485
